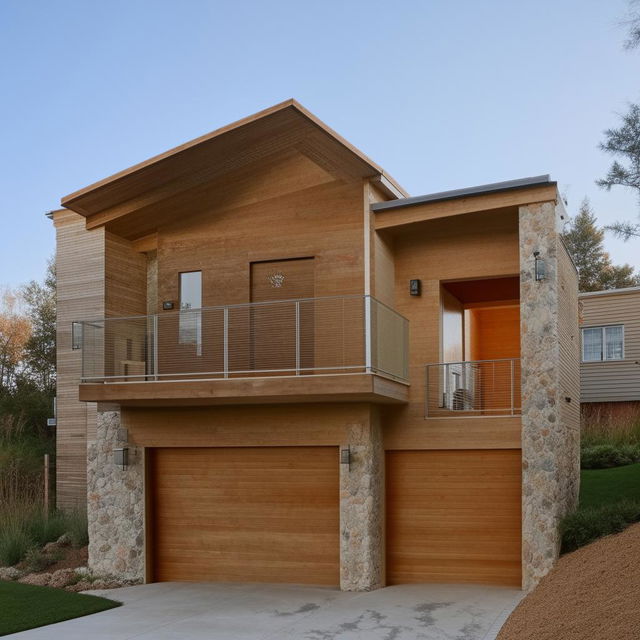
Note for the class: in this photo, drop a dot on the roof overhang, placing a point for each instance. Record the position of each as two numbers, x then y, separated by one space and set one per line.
282 127
610 292
497 195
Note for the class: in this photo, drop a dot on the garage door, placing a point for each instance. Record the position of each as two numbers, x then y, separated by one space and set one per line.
454 516
245 514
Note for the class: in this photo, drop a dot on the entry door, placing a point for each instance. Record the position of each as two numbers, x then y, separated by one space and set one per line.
282 332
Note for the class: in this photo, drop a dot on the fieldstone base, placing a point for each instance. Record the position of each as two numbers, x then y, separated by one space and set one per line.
115 504
362 508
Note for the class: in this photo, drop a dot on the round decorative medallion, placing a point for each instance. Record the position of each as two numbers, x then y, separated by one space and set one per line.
276 279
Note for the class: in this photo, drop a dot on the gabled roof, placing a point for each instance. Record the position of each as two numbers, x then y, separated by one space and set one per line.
189 165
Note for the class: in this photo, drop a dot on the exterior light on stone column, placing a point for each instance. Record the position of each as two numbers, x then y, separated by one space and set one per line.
540 266
121 457
345 457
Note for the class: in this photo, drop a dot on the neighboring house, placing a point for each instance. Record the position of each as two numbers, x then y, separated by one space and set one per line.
610 367
274 365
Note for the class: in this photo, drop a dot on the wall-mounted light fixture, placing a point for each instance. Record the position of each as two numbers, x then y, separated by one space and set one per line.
121 457
345 457
540 266
415 287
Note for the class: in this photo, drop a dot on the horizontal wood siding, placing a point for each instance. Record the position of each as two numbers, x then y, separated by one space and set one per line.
454 516
80 295
619 380
248 514
472 246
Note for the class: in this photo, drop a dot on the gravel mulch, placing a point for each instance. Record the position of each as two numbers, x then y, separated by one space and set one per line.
591 594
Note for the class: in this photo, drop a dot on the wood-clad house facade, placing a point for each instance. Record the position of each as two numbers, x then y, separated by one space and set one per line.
315 377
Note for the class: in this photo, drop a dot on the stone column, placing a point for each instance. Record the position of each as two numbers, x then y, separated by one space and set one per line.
545 436
362 545
115 503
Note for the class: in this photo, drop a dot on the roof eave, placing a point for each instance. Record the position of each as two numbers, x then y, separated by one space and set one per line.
496 187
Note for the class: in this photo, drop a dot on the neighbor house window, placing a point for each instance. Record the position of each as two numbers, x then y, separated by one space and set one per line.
76 335
603 343
190 329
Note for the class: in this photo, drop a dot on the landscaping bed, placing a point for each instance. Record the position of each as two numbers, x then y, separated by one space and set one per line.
26 606
591 593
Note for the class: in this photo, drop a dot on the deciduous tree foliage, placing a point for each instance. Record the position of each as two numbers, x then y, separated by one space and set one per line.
15 331
584 241
27 359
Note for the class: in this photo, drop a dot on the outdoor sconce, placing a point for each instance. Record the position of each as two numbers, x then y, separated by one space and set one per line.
345 457
121 457
540 267
415 287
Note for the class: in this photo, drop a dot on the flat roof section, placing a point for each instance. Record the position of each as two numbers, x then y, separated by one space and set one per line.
495 187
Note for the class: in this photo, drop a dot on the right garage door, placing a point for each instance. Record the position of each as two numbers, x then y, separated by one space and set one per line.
454 516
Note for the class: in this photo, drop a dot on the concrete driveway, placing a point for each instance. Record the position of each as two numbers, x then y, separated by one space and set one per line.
184 611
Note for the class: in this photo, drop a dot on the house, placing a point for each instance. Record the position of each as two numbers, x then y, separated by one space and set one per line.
276 366
610 358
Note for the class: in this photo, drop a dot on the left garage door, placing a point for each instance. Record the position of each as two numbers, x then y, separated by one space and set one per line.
268 514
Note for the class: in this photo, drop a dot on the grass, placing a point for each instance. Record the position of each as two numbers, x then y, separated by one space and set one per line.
609 502
600 487
601 427
27 607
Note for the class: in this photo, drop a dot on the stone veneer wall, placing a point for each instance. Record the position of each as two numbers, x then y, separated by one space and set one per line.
549 453
362 545
115 503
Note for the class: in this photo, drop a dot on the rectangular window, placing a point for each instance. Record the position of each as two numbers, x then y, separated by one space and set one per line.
603 343
190 328
76 335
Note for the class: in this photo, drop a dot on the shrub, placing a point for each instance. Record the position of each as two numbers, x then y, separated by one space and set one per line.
36 560
14 544
76 527
26 527
41 529
586 525
605 456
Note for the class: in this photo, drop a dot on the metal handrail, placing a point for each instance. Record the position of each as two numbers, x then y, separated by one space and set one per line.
473 388
301 337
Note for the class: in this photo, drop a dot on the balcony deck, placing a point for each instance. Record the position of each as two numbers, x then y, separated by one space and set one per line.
338 349
355 387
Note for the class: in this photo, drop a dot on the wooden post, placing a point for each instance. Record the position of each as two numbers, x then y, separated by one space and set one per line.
46 485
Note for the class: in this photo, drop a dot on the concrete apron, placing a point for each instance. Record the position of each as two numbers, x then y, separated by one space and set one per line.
238 611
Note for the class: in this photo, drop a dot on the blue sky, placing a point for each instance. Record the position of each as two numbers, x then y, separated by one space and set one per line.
443 95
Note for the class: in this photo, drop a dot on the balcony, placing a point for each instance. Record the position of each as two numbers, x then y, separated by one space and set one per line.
348 348
473 389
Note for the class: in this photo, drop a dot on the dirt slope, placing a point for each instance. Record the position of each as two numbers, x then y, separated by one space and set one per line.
592 593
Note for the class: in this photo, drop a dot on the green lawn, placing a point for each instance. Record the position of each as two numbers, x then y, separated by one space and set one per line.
606 486
23 606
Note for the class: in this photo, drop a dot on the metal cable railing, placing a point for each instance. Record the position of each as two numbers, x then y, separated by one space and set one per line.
311 336
473 388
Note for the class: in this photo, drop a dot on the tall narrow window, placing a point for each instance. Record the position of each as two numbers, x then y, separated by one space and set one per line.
76 335
603 343
190 329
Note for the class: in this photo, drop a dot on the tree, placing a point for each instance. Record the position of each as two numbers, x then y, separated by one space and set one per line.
40 350
633 25
584 242
15 331
624 142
